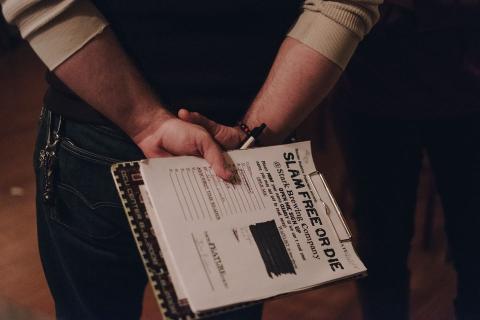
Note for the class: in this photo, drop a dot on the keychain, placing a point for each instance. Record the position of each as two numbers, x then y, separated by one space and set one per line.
47 158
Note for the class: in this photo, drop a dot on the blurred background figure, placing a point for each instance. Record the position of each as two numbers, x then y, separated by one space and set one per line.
414 87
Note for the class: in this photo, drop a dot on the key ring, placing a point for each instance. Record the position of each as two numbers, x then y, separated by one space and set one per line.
55 134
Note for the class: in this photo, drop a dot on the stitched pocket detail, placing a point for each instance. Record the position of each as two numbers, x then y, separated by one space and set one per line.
68 145
91 206
86 201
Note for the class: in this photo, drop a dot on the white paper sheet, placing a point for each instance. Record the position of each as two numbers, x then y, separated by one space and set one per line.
267 234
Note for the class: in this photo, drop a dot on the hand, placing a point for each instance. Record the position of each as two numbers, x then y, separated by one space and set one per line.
166 135
228 137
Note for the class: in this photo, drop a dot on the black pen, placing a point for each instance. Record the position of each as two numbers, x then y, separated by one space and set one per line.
254 134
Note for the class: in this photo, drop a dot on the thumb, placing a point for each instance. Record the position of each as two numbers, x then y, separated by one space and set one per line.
211 152
196 118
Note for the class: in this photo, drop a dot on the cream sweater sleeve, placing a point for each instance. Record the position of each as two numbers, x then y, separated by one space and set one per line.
335 27
55 29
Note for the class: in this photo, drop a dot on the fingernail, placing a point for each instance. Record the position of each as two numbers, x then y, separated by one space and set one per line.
229 175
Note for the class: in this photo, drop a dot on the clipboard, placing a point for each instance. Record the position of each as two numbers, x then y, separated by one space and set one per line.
129 183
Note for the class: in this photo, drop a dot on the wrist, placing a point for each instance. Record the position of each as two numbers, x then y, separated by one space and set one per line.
251 136
144 121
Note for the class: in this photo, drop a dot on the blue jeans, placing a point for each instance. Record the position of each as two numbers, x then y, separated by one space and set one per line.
88 253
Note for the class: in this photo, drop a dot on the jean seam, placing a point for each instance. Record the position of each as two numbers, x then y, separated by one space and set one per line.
57 251
67 145
89 204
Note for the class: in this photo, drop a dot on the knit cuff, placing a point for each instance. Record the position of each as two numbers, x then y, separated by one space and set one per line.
66 33
326 36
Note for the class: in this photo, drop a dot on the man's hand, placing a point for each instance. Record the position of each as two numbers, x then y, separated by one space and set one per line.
228 137
167 135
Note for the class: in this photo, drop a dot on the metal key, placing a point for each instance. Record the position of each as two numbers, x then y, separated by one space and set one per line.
47 158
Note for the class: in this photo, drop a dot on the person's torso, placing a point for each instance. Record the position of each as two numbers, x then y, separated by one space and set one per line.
205 55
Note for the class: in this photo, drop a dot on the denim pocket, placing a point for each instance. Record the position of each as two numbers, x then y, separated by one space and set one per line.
86 200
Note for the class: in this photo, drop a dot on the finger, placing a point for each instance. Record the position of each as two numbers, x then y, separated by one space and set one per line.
228 137
158 153
211 152
196 118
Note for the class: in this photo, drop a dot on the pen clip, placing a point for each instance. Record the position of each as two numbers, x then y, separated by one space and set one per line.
252 137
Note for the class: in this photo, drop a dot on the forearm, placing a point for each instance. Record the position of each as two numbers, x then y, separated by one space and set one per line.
298 81
309 62
103 76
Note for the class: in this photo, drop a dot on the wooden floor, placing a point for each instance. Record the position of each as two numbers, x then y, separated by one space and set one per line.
24 292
